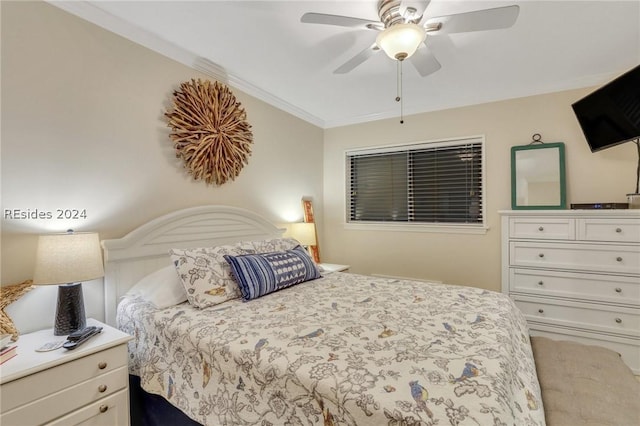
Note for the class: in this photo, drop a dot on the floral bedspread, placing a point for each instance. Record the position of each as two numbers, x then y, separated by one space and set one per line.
344 349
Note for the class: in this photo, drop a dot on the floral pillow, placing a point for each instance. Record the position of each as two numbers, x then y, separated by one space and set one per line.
206 275
267 246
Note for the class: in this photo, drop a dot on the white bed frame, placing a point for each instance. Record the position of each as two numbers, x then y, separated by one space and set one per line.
146 248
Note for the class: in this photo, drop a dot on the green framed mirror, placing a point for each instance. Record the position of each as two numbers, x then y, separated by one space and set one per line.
538 177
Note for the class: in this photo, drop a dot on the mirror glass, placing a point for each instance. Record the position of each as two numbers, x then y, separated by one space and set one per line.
537 176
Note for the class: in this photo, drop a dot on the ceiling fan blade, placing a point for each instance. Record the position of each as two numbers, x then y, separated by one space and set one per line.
357 60
341 21
419 6
424 61
479 20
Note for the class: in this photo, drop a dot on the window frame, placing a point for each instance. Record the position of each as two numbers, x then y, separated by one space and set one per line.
408 226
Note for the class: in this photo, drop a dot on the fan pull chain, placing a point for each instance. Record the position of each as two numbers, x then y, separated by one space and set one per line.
399 92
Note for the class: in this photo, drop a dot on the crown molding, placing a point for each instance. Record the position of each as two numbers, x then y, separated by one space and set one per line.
94 14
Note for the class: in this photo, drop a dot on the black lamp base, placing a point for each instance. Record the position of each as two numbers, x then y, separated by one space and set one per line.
70 315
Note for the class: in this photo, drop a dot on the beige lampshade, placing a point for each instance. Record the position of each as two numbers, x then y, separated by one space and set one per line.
305 233
68 258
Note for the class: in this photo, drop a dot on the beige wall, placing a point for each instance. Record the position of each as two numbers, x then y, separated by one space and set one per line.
463 258
83 128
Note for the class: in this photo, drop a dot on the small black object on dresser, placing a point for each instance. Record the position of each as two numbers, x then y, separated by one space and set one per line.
596 206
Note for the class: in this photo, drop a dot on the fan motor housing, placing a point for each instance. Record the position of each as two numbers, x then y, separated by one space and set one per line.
389 12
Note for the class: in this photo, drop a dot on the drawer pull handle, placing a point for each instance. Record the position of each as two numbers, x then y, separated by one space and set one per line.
618 230
618 290
540 282
541 229
619 259
541 255
102 388
104 408
102 365
619 320
540 311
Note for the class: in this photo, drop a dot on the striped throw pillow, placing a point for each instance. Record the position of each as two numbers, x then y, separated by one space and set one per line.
260 274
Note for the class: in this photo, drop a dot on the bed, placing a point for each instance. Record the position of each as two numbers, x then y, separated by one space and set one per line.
342 349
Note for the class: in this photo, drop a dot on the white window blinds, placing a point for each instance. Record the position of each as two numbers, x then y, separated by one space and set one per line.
439 182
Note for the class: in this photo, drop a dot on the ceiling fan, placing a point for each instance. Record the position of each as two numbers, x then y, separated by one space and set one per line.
402 31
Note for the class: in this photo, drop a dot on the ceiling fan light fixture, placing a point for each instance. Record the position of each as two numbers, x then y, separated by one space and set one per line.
400 41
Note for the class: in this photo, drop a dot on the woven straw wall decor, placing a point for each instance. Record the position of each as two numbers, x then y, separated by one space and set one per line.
8 295
209 131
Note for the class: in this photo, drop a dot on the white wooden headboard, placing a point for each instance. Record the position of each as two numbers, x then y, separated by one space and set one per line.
146 249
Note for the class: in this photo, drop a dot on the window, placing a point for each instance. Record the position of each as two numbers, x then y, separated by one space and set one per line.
438 183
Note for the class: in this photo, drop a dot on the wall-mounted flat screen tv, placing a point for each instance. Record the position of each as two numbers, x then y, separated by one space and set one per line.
611 115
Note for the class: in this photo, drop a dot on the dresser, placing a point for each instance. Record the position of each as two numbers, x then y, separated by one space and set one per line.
88 385
575 274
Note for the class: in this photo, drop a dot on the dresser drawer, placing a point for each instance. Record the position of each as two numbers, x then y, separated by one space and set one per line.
622 259
542 228
615 230
591 317
618 290
60 403
35 386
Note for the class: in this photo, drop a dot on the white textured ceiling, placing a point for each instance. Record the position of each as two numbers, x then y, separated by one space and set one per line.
262 48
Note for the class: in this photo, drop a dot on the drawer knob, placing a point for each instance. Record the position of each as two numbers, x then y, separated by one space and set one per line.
102 365
103 408
618 290
540 311
619 320
102 388
619 259
541 228
540 282
618 230
541 255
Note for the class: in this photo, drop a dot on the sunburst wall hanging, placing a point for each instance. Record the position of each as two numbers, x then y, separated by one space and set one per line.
210 131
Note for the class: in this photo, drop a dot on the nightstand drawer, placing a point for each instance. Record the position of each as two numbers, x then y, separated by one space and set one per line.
615 230
110 411
30 388
68 400
606 319
619 290
542 228
621 259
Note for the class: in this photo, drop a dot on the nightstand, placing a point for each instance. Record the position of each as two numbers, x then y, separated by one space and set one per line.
332 267
62 387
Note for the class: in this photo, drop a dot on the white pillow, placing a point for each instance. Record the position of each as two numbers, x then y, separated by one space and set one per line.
163 288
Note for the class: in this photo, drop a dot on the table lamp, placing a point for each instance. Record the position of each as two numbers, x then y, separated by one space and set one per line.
304 233
66 260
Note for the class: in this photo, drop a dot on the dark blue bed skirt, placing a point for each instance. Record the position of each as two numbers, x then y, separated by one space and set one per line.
153 410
